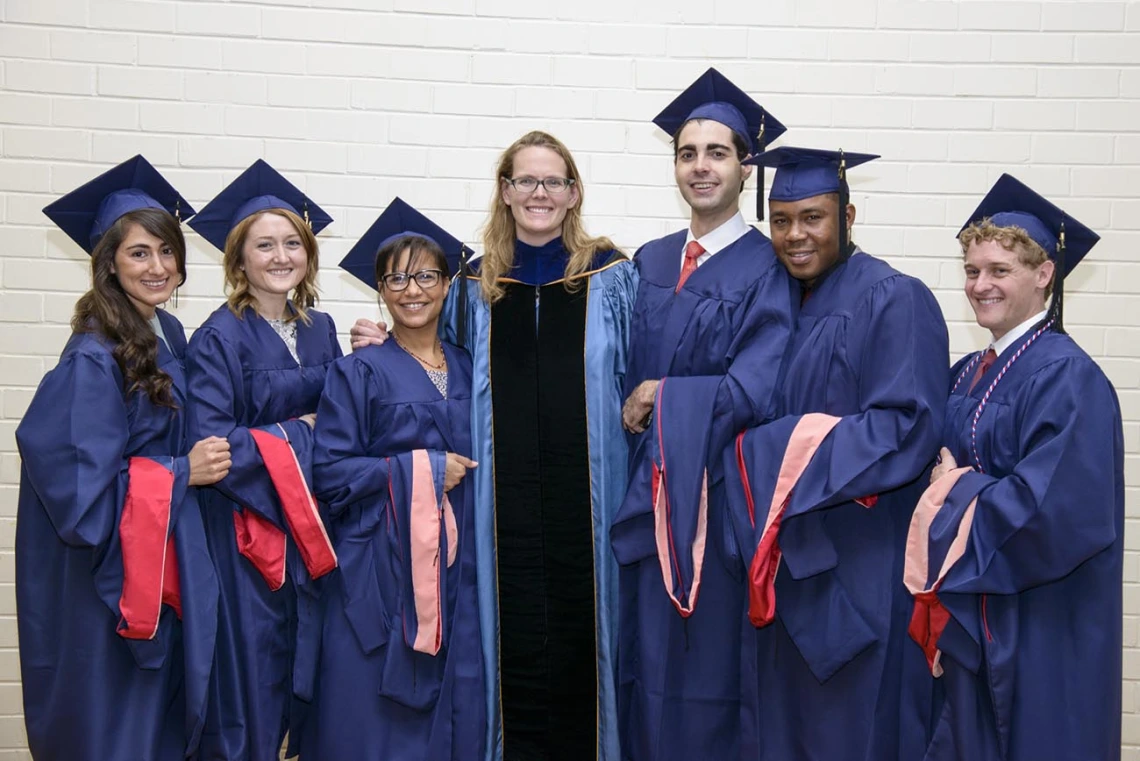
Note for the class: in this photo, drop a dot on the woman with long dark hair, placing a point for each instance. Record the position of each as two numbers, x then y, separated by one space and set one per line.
257 366
114 586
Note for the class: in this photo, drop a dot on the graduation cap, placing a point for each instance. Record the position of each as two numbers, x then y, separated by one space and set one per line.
808 172
714 97
87 212
1012 203
401 220
257 189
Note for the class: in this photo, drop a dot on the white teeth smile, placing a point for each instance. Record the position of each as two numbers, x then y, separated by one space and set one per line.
154 283
280 272
988 301
414 307
539 209
703 185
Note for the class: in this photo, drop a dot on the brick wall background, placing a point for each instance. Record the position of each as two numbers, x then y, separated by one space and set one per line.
361 100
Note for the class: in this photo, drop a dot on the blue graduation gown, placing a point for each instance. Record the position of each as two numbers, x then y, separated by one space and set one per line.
717 345
387 688
1031 649
244 380
116 593
594 447
869 359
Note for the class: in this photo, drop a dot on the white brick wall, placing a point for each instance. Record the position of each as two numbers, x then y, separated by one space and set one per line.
360 100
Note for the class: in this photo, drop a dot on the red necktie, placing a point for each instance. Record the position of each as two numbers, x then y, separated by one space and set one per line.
693 252
989 358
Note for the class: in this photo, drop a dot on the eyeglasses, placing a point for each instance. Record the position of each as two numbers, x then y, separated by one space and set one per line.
553 185
399 281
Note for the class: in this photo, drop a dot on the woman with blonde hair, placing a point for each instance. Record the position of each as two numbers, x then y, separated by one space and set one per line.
257 366
546 319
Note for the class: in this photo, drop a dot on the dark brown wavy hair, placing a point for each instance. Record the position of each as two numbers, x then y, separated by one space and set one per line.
107 310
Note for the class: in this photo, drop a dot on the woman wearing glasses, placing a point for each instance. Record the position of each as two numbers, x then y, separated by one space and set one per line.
401 672
256 369
547 324
548 330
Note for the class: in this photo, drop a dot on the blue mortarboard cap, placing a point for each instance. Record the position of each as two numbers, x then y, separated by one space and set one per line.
1012 203
89 211
714 97
258 188
399 220
806 172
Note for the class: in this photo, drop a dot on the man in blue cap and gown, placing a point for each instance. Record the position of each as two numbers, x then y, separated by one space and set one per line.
710 326
1015 551
821 497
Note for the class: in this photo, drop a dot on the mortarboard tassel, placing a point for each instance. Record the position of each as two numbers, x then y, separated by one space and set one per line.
844 200
1057 306
461 318
760 176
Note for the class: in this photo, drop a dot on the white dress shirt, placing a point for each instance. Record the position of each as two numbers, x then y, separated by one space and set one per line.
717 240
1015 335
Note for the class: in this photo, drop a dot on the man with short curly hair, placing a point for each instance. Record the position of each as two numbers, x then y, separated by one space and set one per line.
1015 552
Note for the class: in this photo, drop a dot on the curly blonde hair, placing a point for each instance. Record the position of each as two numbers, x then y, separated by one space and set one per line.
239 298
1012 238
499 230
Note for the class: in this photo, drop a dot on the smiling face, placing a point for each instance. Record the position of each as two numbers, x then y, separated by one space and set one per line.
805 234
274 258
147 269
539 214
417 307
707 168
1003 290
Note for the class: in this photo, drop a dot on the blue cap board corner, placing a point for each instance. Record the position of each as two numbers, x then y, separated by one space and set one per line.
87 212
259 188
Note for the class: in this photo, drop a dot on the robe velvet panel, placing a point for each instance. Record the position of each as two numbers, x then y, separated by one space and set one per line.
378 696
90 450
242 377
609 294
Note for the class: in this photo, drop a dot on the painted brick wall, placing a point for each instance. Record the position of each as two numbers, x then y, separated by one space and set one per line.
360 100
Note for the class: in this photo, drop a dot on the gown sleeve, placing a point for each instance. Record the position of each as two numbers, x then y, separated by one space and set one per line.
215 382
784 474
665 512
343 471
902 373
1056 509
746 394
73 442
898 344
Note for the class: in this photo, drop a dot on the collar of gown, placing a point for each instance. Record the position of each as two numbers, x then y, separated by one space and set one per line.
539 265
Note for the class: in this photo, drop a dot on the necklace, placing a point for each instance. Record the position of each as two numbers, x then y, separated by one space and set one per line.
989 391
423 361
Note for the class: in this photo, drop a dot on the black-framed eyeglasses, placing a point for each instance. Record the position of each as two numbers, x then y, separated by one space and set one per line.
399 281
554 185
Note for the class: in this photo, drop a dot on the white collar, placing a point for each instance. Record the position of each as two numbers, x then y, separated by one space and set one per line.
1013 336
723 236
